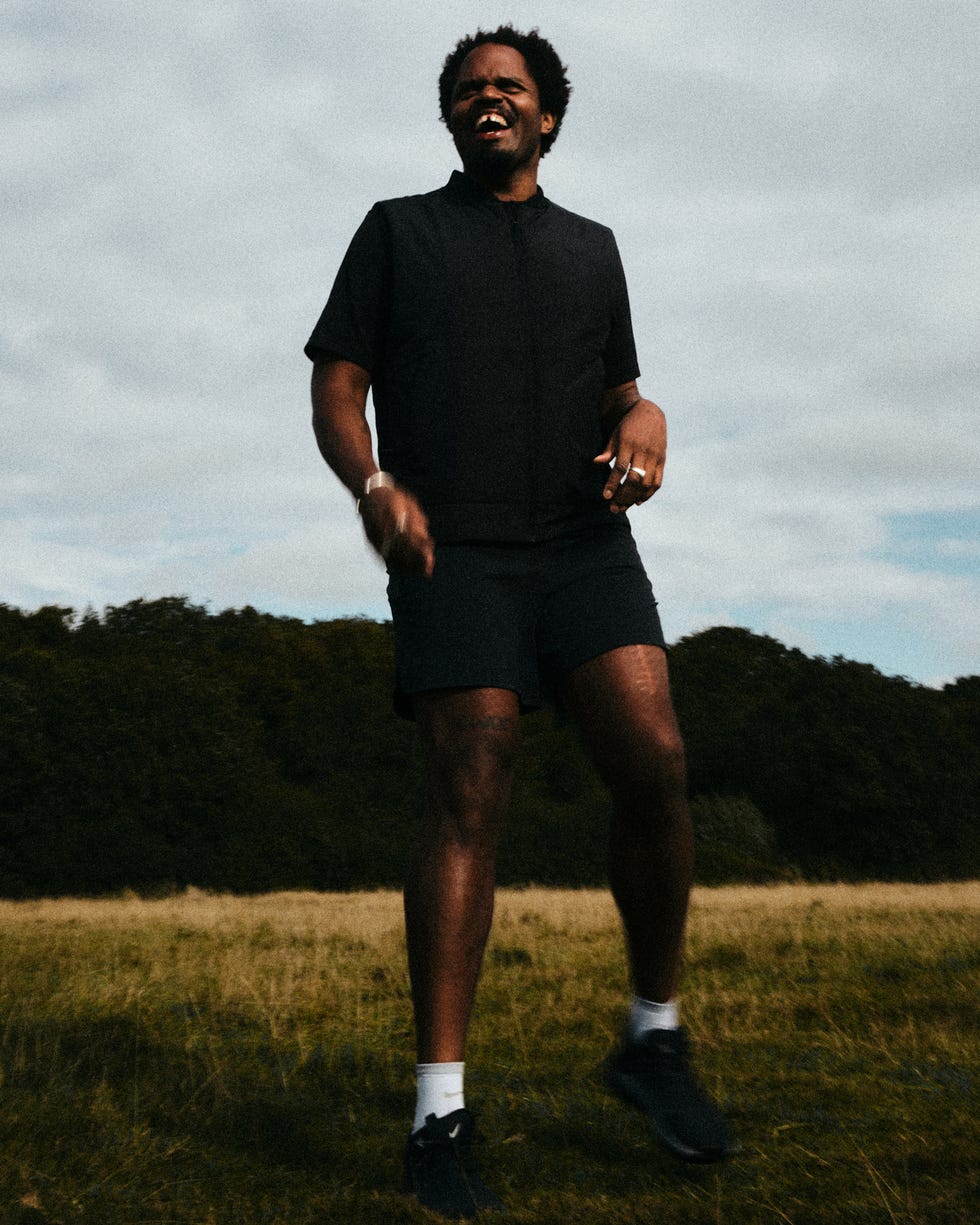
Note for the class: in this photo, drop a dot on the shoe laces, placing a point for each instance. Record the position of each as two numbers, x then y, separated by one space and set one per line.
456 1142
668 1051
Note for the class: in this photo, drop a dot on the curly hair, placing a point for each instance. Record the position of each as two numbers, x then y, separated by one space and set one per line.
542 59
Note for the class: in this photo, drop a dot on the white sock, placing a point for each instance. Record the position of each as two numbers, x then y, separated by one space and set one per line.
440 1090
645 1015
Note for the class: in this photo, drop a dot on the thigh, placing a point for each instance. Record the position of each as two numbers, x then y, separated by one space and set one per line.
622 705
466 721
469 742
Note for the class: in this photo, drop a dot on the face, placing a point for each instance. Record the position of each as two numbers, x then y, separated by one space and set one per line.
496 118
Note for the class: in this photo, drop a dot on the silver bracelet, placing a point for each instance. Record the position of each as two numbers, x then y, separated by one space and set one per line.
377 480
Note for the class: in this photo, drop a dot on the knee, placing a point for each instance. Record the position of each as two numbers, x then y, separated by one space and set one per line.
660 756
653 783
461 820
467 795
671 761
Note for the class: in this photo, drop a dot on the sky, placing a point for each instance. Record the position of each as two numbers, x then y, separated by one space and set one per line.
795 190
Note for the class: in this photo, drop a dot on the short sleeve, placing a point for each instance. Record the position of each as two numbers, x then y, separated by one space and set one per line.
619 355
351 325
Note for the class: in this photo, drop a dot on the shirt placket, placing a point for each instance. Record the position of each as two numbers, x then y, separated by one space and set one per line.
520 240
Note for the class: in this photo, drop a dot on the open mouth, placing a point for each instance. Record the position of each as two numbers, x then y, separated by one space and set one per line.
491 122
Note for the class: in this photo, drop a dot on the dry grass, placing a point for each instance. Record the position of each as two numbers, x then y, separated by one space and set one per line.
374 913
201 1059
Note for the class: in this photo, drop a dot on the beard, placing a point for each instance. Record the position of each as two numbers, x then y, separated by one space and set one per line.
491 160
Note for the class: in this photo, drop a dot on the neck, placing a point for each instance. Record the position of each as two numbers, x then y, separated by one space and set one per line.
520 183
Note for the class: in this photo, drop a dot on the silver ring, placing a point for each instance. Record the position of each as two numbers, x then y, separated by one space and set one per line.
639 471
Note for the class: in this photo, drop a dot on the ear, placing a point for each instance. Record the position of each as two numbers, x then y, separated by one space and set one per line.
547 123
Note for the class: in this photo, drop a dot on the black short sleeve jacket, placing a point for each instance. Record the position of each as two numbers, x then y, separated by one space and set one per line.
490 331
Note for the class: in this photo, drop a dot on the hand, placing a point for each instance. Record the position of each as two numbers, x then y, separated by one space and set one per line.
637 450
398 529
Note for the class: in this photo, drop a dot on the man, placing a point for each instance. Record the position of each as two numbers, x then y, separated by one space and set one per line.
494 328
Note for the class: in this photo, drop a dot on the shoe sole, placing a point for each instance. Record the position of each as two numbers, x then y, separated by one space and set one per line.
623 1086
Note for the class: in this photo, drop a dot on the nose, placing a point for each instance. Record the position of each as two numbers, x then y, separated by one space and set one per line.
491 92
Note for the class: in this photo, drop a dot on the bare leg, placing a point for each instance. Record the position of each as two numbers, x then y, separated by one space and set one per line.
621 702
469 739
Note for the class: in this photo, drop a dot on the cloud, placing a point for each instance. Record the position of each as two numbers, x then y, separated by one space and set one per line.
794 191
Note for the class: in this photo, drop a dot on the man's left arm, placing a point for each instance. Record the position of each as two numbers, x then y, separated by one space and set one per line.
637 446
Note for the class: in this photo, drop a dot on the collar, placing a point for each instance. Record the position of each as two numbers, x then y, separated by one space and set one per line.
465 188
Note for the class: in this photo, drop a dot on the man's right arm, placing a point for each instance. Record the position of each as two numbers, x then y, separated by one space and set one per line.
394 522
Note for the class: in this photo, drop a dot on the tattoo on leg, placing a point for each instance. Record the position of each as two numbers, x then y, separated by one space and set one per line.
487 723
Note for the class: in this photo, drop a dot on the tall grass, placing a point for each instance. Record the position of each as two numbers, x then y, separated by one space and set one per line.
212 1060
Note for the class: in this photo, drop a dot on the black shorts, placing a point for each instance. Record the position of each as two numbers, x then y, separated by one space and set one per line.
520 616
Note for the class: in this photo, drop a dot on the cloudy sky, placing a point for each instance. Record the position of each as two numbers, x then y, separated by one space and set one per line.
794 188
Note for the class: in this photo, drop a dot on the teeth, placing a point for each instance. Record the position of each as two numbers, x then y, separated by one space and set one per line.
490 120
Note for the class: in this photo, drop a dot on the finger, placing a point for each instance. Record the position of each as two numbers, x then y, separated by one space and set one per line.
395 531
637 486
633 480
412 559
653 475
617 473
409 547
626 495
428 558
424 548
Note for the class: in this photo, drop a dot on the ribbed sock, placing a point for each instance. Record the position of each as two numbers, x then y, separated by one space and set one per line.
440 1090
645 1015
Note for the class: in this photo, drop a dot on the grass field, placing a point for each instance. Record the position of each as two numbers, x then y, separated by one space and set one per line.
234 1061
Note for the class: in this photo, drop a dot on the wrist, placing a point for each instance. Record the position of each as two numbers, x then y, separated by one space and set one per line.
377 480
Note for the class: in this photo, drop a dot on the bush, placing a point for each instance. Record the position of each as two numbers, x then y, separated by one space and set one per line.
733 841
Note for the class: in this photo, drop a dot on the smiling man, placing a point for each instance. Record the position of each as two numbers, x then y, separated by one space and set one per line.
493 328
497 121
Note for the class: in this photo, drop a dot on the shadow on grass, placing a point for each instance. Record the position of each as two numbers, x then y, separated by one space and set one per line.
221 1087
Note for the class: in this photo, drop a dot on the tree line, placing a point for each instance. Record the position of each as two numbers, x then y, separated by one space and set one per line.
158 745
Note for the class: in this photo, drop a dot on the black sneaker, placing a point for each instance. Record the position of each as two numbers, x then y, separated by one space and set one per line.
652 1074
440 1170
